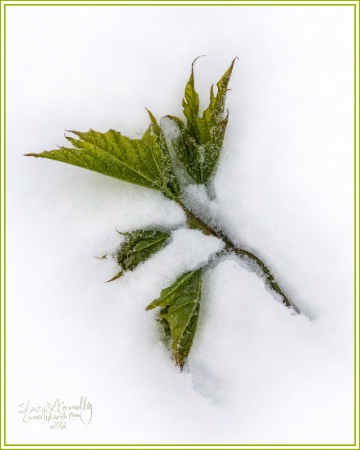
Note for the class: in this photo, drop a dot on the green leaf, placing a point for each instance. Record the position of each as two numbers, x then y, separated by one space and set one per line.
200 141
144 161
180 305
137 247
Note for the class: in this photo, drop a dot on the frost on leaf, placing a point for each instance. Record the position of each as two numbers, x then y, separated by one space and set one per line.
200 140
180 306
144 161
137 247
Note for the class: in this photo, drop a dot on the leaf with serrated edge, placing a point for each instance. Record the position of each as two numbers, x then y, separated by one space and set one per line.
138 246
200 141
180 304
144 161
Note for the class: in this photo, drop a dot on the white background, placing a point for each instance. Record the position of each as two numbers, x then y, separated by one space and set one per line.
284 189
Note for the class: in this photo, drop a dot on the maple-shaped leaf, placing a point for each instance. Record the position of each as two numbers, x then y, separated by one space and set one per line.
137 247
180 305
144 161
200 141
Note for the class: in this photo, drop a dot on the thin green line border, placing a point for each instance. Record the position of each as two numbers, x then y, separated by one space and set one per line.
233 3
181 4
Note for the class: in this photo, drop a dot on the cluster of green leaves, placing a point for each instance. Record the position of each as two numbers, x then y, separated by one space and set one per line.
201 138
147 162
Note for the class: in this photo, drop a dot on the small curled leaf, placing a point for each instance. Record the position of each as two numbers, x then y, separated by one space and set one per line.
137 247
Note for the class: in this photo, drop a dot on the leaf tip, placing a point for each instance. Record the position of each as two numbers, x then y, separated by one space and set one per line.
118 275
101 257
200 56
180 362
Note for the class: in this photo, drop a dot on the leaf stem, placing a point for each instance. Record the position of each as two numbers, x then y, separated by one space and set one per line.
195 222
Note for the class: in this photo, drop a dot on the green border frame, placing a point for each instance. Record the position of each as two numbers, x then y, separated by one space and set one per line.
200 3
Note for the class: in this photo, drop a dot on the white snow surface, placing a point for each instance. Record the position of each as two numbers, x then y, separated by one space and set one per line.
283 189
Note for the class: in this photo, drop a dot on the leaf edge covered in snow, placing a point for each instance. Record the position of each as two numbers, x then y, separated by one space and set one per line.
180 303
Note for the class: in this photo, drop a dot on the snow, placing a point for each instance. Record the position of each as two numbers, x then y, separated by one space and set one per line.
283 189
